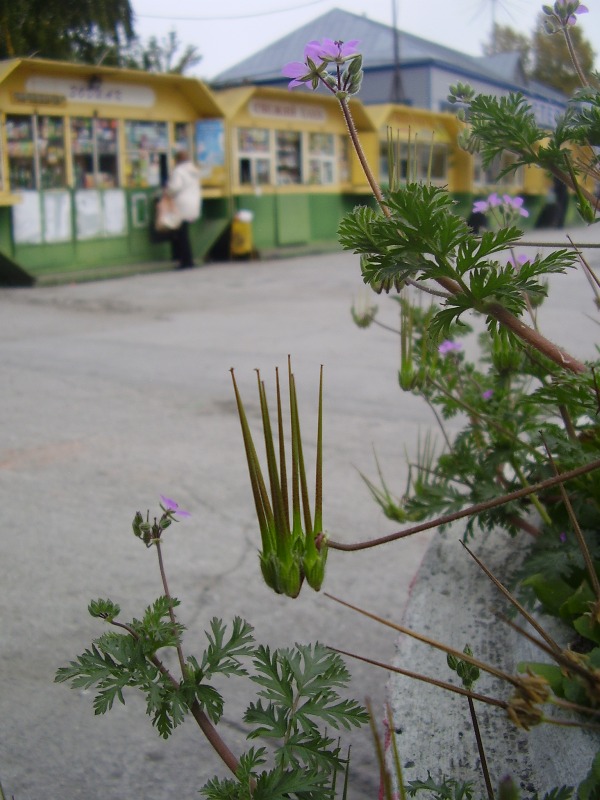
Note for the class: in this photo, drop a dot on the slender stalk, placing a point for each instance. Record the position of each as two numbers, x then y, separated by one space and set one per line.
492 701
163 576
498 673
470 511
375 188
573 55
385 781
547 638
397 763
482 758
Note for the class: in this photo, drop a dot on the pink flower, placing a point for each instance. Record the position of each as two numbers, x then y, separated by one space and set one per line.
337 51
516 203
565 12
480 207
448 346
562 7
170 505
488 394
317 55
518 261
298 71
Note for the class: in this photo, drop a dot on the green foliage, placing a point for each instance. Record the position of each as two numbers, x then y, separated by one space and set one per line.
589 789
117 661
299 696
446 789
424 240
299 689
82 30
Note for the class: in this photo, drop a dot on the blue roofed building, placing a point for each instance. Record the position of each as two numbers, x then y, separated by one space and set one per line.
398 67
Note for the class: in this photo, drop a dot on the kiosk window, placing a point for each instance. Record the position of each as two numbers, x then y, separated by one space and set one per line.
20 144
147 145
288 164
254 156
36 151
51 150
95 153
321 158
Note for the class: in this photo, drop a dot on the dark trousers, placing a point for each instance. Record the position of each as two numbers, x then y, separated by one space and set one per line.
181 247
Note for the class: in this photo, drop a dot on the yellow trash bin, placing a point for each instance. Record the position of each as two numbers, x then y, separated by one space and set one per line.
241 244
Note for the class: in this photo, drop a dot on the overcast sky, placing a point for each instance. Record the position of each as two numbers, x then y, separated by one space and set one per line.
225 31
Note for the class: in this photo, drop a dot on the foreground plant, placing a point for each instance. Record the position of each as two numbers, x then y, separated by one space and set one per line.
299 700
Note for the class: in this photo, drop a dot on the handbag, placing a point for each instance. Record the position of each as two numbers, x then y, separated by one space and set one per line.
167 215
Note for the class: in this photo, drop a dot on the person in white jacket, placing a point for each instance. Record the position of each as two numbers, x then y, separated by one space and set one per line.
184 188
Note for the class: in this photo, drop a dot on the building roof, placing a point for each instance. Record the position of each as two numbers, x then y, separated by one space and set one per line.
377 48
194 90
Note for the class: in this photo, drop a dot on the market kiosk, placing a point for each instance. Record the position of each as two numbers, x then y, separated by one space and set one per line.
84 151
292 164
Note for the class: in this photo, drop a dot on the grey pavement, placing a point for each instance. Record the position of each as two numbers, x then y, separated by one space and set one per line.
116 392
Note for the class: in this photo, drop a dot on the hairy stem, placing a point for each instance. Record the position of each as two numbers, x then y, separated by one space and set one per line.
375 188
163 576
573 55
470 511
534 338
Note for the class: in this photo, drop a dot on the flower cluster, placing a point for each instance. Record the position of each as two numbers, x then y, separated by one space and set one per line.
505 204
448 346
563 14
150 532
318 55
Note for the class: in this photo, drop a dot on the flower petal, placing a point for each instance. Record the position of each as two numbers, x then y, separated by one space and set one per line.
295 69
349 48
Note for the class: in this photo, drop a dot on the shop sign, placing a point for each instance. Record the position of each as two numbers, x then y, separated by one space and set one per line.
94 90
287 110
39 98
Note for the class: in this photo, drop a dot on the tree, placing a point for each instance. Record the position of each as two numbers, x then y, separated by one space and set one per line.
545 57
506 40
551 60
160 56
88 31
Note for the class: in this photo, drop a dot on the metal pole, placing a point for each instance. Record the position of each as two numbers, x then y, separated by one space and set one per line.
397 93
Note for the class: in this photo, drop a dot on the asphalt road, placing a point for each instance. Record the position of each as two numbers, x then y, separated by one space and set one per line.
116 392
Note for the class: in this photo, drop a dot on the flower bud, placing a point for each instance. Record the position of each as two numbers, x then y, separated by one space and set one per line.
313 565
137 523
